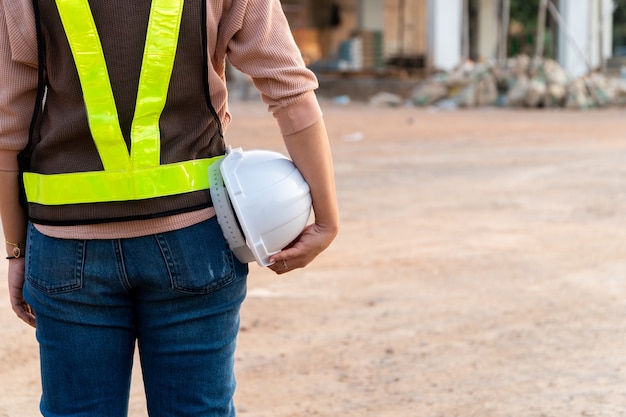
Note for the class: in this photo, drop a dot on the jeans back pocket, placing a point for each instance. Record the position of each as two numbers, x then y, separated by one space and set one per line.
54 265
198 258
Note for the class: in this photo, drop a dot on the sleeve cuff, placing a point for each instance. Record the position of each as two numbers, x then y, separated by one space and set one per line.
8 160
299 115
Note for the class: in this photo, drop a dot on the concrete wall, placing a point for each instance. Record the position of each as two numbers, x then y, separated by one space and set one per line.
406 27
488 29
371 15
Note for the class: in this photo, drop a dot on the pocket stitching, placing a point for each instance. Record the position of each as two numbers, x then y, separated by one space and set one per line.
173 273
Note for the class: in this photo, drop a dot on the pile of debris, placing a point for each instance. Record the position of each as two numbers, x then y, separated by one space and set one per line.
519 82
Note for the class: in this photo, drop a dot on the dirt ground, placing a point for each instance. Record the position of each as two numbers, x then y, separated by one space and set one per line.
480 272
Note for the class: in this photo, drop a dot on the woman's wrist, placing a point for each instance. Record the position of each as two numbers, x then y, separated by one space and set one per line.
15 250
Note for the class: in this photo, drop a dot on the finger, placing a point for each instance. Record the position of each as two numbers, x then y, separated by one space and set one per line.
281 266
25 313
288 255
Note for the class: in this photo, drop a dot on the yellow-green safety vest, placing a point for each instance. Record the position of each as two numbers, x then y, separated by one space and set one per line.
138 175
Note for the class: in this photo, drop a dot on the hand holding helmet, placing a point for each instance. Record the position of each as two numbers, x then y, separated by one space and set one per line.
262 203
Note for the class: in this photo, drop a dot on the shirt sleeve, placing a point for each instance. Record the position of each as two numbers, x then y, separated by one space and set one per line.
262 46
18 78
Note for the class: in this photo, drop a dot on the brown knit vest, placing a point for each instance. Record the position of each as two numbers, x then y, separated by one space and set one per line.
61 140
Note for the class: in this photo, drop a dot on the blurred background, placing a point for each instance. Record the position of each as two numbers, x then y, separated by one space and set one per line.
388 36
532 53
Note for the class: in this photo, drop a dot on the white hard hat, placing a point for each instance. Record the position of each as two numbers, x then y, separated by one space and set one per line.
262 194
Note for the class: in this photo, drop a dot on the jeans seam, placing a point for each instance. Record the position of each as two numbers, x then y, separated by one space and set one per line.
80 266
165 250
121 265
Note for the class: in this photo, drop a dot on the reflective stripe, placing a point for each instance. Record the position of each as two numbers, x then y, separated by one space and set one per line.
125 177
156 71
104 123
89 187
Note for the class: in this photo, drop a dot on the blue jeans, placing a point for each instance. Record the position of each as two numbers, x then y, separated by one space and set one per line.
176 294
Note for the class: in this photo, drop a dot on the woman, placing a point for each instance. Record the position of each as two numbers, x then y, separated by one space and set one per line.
94 95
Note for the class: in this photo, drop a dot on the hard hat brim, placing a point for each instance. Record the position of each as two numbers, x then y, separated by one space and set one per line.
226 216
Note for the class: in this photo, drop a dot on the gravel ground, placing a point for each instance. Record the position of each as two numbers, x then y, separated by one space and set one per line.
480 271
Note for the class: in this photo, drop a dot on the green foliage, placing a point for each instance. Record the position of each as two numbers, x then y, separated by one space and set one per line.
525 12
619 17
619 26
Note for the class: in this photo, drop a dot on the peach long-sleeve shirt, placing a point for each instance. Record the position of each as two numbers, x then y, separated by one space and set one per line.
253 34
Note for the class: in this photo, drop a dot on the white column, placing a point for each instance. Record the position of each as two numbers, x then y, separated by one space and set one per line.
583 23
445 33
